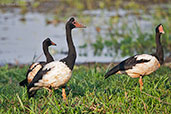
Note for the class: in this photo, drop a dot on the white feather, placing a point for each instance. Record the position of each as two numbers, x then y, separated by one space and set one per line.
144 56
59 75
35 68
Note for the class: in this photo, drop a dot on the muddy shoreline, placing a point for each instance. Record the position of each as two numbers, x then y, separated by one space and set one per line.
88 64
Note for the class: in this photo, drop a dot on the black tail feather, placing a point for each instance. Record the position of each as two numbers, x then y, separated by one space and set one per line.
23 83
32 92
112 71
37 77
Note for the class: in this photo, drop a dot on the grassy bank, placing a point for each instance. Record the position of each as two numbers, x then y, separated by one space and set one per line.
88 92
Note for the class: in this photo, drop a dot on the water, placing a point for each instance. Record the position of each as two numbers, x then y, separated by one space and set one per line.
21 40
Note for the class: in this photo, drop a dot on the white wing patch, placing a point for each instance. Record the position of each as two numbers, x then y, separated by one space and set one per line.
35 68
145 68
58 76
144 56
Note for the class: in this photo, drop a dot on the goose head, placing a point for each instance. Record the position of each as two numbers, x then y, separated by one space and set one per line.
72 23
159 29
48 42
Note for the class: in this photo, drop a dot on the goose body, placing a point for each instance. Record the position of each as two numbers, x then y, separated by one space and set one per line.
144 65
58 75
35 67
138 66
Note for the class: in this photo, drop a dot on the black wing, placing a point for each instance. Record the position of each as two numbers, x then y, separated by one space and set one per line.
38 77
30 70
25 82
125 65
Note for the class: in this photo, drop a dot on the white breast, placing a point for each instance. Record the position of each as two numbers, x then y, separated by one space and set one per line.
144 68
59 75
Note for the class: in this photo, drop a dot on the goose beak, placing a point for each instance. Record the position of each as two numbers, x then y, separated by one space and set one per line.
53 43
78 25
161 29
162 32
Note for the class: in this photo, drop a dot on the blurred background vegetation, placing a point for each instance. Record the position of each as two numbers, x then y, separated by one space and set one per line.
126 38
114 27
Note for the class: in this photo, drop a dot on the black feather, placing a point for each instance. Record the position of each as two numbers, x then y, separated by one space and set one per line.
37 77
25 82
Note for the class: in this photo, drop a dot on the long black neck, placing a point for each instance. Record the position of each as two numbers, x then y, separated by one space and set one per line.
70 59
159 49
71 47
49 58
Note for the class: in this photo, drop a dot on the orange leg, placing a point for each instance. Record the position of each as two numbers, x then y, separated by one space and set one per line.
141 83
50 92
63 94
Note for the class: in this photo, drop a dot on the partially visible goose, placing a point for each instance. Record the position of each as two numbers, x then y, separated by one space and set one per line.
57 73
35 67
140 65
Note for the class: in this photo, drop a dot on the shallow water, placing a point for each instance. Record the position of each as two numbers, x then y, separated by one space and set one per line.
20 40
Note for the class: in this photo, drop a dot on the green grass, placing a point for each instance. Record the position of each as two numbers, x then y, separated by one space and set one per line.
88 92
